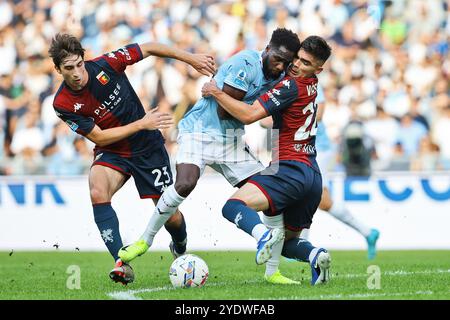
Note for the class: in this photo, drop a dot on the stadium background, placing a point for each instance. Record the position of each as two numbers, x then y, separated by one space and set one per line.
389 70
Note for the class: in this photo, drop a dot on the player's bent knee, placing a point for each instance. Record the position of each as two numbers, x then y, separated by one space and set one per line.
99 196
325 201
325 204
185 187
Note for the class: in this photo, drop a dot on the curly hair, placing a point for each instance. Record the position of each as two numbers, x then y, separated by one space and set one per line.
284 37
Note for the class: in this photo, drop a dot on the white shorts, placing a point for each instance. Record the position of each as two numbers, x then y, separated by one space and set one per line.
232 160
323 159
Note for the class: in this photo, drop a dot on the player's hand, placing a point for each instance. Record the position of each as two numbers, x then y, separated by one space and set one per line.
209 87
156 120
203 63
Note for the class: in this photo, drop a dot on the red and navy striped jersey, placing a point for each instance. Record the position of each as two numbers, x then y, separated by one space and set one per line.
108 101
291 104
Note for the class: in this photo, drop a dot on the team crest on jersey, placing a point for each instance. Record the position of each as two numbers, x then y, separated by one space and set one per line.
103 78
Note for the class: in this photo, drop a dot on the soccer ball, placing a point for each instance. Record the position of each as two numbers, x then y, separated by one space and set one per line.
188 271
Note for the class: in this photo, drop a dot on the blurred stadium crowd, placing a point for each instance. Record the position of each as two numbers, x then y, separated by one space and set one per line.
389 70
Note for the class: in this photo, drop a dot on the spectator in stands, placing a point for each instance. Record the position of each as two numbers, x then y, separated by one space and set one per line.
410 133
393 54
27 144
428 157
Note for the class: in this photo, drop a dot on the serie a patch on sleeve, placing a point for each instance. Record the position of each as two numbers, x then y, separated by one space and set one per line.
240 78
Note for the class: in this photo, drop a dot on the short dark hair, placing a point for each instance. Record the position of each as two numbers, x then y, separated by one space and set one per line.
317 46
64 45
287 38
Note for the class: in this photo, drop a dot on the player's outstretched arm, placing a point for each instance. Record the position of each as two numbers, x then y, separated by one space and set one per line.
240 110
151 121
203 63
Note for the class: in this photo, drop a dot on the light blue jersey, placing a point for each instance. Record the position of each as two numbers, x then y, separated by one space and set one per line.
242 71
322 140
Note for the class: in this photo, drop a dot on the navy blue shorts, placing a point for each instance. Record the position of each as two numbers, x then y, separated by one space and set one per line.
293 189
151 171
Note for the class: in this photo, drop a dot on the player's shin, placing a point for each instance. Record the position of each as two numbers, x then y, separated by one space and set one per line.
245 218
340 212
299 249
108 225
273 263
165 208
177 230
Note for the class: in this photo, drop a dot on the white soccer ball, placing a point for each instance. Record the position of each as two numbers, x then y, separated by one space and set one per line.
188 271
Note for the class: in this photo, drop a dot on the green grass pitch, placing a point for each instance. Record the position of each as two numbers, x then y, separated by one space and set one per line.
233 275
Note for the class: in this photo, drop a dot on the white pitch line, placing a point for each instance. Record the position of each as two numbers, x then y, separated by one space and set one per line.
350 296
131 294
394 273
123 296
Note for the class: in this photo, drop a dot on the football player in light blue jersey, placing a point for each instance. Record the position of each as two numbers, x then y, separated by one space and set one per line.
338 210
242 72
209 136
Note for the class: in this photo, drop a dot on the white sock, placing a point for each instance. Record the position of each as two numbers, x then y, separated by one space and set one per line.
340 212
273 263
304 234
165 208
258 231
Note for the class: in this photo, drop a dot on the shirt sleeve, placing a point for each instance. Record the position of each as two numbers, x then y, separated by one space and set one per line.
123 57
320 95
239 73
78 123
280 97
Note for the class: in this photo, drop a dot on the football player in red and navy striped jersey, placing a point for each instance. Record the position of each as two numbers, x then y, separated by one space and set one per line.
96 100
289 190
